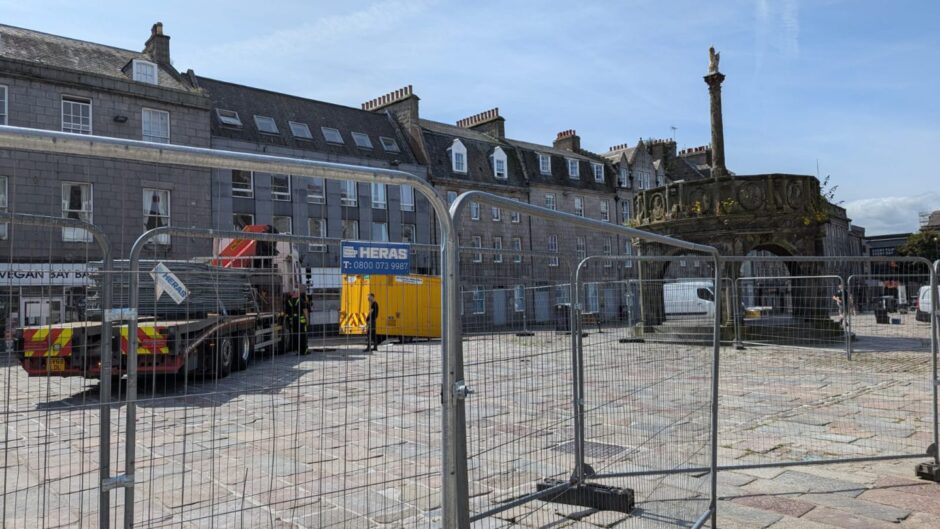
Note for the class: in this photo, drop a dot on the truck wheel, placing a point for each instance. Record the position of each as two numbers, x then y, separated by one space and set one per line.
225 357
246 347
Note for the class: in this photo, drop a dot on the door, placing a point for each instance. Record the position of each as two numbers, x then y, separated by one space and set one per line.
41 311
542 306
499 307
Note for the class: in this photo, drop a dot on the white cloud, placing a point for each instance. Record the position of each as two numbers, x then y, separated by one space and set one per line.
891 214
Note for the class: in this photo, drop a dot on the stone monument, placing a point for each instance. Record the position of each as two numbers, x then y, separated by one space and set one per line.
714 80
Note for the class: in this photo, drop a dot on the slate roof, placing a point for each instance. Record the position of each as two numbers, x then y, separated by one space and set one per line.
559 176
439 137
86 57
248 102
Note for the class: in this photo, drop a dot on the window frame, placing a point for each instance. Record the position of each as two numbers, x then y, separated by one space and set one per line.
554 203
4 204
581 247
517 300
553 248
451 197
628 250
515 217
594 169
414 232
388 143
5 108
608 250
79 234
143 129
347 223
250 215
233 120
344 196
372 232
326 136
545 168
479 303
576 174
496 213
79 100
163 239
626 209
476 241
474 210
500 156
279 196
251 184
458 148
410 204
383 191
356 136
498 245
259 119
315 198
578 205
290 223
623 178
323 233
517 258
295 125
605 210
140 62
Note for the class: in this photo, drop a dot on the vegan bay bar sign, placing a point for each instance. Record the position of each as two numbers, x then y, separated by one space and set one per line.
45 274
375 258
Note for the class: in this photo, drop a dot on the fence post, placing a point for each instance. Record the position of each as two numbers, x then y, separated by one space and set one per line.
847 315
716 352
934 346
577 368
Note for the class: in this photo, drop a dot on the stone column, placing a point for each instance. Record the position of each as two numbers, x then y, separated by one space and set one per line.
714 80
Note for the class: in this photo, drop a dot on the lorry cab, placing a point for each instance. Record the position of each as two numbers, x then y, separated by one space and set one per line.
924 305
689 298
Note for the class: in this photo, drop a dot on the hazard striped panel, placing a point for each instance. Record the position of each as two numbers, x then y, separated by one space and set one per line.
353 323
150 340
47 342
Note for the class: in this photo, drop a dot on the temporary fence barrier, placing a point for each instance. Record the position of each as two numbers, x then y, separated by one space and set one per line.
534 391
56 433
195 450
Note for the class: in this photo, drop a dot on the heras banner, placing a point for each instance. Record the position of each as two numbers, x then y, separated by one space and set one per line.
375 258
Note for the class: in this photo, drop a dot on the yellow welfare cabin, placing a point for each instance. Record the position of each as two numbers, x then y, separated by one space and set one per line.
409 306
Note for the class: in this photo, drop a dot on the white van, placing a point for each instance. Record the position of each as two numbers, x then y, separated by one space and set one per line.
924 308
689 298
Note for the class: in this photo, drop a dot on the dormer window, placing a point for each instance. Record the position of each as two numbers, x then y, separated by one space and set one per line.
300 130
458 157
228 117
266 124
499 164
144 71
623 179
331 135
598 172
573 169
545 164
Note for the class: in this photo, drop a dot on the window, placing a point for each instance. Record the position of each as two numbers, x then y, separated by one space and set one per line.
407 198
550 200
497 214
562 294
379 200
228 117
3 204
475 211
479 300
518 298
389 144
451 197
280 187
408 233
579 206
573 169
598 172
316 228
300 130
283 224
499 164
156 125
362 140
477 242
498 246
77 204
608 250
515 217
348 193
553 247
628 250
545 164
605 211
623 178
157 212
3 105
316 191
331 135
625 209
517 247
350 230
582 251
144 71
240 220
76 115
266 124
243 184
380 231
458 154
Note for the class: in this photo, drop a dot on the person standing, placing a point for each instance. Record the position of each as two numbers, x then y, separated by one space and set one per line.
372 343
296 316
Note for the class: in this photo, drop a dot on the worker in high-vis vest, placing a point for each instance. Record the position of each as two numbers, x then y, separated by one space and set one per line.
297 314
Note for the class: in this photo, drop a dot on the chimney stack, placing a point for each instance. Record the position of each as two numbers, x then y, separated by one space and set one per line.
488 122
402 105
567 140
158 45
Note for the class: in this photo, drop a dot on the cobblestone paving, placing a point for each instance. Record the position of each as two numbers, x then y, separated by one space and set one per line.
342 438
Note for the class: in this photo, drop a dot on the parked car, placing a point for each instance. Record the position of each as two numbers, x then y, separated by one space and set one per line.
924 305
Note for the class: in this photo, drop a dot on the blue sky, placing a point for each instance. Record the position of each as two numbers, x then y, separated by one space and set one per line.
851 85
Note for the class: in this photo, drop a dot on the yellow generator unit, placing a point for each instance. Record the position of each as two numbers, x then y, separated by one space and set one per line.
409 306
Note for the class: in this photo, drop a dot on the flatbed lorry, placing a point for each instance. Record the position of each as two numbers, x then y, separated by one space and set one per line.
211 343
